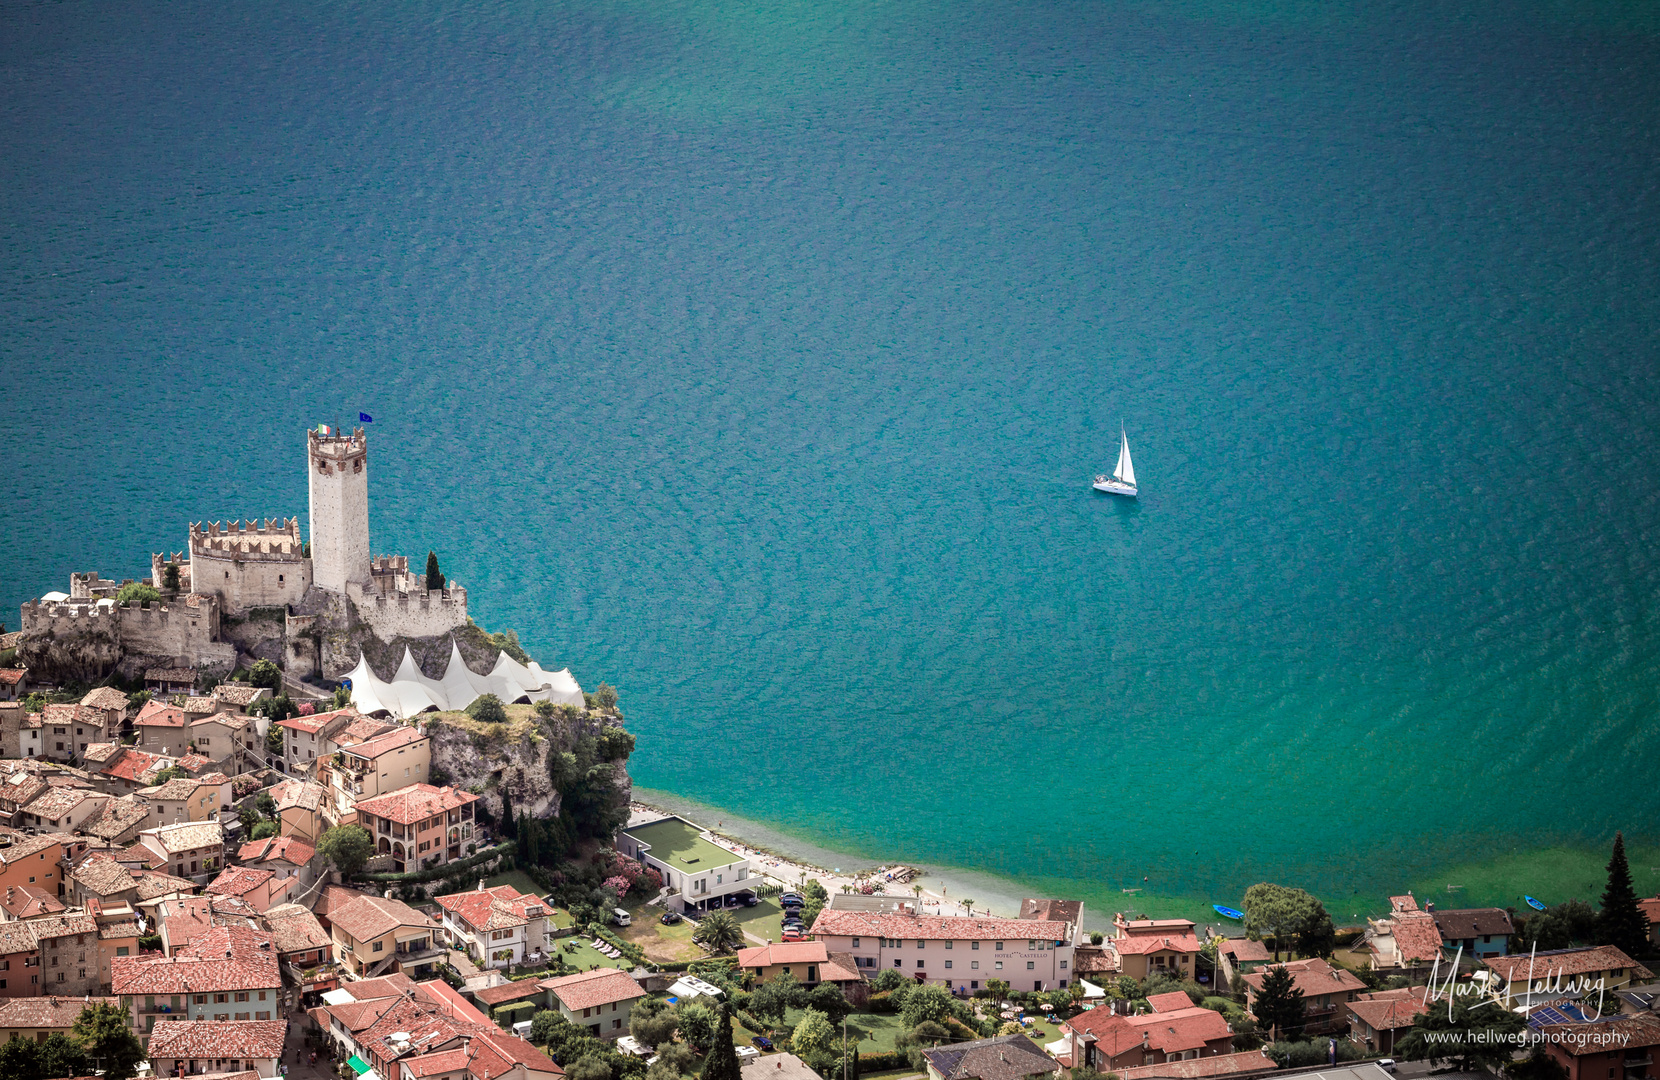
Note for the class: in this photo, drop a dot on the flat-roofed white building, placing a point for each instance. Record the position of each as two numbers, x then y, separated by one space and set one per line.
698 869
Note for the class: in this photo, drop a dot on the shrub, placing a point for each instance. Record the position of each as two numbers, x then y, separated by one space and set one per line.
136 593
266 674
488 709
508 1015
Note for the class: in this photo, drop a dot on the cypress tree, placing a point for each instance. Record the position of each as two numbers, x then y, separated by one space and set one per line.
509 823
722 1062
1621 922
435 580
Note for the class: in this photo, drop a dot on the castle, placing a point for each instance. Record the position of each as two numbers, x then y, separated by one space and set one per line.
256 588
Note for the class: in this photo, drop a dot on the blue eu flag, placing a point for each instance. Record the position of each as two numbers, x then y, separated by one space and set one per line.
365 417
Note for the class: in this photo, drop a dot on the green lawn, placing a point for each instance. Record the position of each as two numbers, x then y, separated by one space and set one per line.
679 844
587 957
664 944
764 920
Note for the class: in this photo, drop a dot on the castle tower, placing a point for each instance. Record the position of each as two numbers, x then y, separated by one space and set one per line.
339 469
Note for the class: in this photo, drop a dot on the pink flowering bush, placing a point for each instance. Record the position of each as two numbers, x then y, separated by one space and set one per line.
619 884
307 708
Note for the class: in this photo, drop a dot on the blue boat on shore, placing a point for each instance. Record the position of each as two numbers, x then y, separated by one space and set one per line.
1534 904
1228 913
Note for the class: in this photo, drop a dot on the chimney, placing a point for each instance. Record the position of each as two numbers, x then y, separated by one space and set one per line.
481 889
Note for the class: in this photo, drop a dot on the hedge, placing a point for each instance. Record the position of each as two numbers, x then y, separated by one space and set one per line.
893 1059
753 1024
508 1015
446 869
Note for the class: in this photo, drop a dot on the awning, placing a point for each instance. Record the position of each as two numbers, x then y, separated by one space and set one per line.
1091 991
358 1065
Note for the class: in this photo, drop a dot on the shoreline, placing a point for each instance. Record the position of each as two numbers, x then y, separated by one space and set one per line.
1554 873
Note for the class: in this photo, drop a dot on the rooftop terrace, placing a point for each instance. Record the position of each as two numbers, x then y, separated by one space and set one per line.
677 843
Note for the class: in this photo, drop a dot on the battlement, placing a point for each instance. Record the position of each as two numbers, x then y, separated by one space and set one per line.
389 564
337 447
452 595
277 538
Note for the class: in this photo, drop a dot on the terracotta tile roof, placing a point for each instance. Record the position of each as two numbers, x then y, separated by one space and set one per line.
72 714
16 937
56 926
1403 903
20 789
188 836
1390 1010
429 1024
1170 1033
1314 977
1651 908
116 931
1066 911
315 722
1147 944
298 794
841 967
1196 1068
220 958
225 719
12 676
200 704
789 952
444 1061
294 929
590 988
194 763
1171 1002
27 902
277 849
361 730
415 803
218 1039
11 640
331 899
154 883
135 765
238 881
105 697
934 927
180 787
240 694
103 876
513 991
161 715
385 744
1630 1033
53 803
1564 962
100 753
1473 922
27 847
1006 1057
394 985
368 917
1246 951
495 908
1416 938
170 675
1096 959
46 1012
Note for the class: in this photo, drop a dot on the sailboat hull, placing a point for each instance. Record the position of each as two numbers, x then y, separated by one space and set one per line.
1114 487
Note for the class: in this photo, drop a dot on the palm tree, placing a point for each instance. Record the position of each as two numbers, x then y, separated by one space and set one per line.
719 931
916 891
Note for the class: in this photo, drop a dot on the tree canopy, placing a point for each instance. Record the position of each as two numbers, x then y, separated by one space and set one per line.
720 931
722 1062
1621 921
1473 1035
267 674
1279 912
135 592
488 709
435 580
103 1030
348 847
1279 1005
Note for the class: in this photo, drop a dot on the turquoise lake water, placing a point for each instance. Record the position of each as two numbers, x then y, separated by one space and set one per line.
756 358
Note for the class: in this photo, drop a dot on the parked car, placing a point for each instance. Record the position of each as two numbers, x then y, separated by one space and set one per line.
734 901
792 933
670 918
791 899
749 899
762 1042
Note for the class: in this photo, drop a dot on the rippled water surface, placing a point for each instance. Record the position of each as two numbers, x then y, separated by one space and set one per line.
756 358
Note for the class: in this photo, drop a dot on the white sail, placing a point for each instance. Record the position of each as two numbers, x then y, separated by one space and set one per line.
1125 472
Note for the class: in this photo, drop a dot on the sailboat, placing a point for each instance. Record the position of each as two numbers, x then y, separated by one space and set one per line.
1122 480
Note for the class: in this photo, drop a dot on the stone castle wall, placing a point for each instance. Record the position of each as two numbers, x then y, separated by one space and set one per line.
248 566
337 468
410 614
187 630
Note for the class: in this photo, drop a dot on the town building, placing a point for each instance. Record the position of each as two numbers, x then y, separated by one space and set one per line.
807 962
37 1019
1005 1057
420 826
286 857
1540 976
781 1066
188 798
67 730
1148 945
189 1047
1327 990
14 684
1239 1063
238 697
1240 956
68 953
1479 932
225 973
259 889
698 870
1175 1030
28 902
1377 1020
300 809
118 935
1406 940
127 770
304 739
162 729
112 703
598 1001
19 961
1619 1047
64 809
957 952
304 949
122 819
374 936
231 741
383 764
499 926
31 860
195 850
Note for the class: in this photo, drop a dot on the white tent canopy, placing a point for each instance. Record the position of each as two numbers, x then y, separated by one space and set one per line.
410 692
